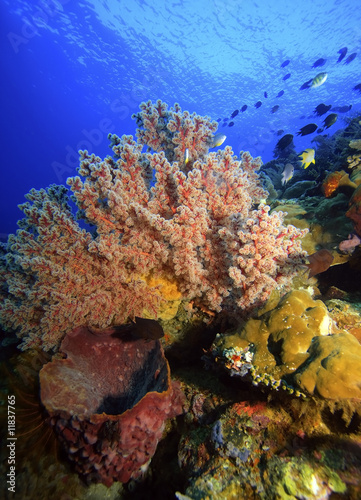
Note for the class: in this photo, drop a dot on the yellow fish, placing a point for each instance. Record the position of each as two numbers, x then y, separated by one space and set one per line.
218 140
319 80
308 157
186 156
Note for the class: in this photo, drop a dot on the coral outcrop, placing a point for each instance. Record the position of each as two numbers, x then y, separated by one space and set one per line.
292 347
201 232
108 402
354 212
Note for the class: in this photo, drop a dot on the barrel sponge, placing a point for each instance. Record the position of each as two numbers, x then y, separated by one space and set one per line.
108 402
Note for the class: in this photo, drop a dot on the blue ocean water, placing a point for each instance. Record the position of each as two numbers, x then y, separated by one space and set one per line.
74 71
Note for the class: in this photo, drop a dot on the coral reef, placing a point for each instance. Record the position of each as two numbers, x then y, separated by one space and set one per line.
108 401
354 212
334 180
292 347
201 232
354 161
260 450
355 144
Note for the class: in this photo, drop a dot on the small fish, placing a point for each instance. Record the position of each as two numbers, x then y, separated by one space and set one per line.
286 77
342 109
275 108
319 262
308 157
284 141
235 113
287 174
186 156
319 80
218 140
350 58
321 109
342 53
330 120
230 124
306 85
219 119
319 62
148 329
349 245
357 87
280 93
265 95
285 63
140 328
280 132
307 129
258 104
244 107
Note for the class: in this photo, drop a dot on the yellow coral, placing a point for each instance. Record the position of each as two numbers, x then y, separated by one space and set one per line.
293 342
169 292
356 144
335 367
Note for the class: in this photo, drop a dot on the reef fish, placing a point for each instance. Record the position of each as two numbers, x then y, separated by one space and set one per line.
275 108
319 62
235 113
285 63
319 262
230 124
357 87
350 58
148 329
186 156
330 120
258 104
287 173
307 129
342 109
306 85
141 328
286 77
319 80
284 141
342 53
280 93
244 107
218 140
321 109
307 157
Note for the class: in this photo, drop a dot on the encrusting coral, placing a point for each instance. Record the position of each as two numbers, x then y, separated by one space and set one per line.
292 347
201 231
356 144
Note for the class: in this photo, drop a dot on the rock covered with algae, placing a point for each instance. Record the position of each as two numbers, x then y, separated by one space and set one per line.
292 346
260 450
